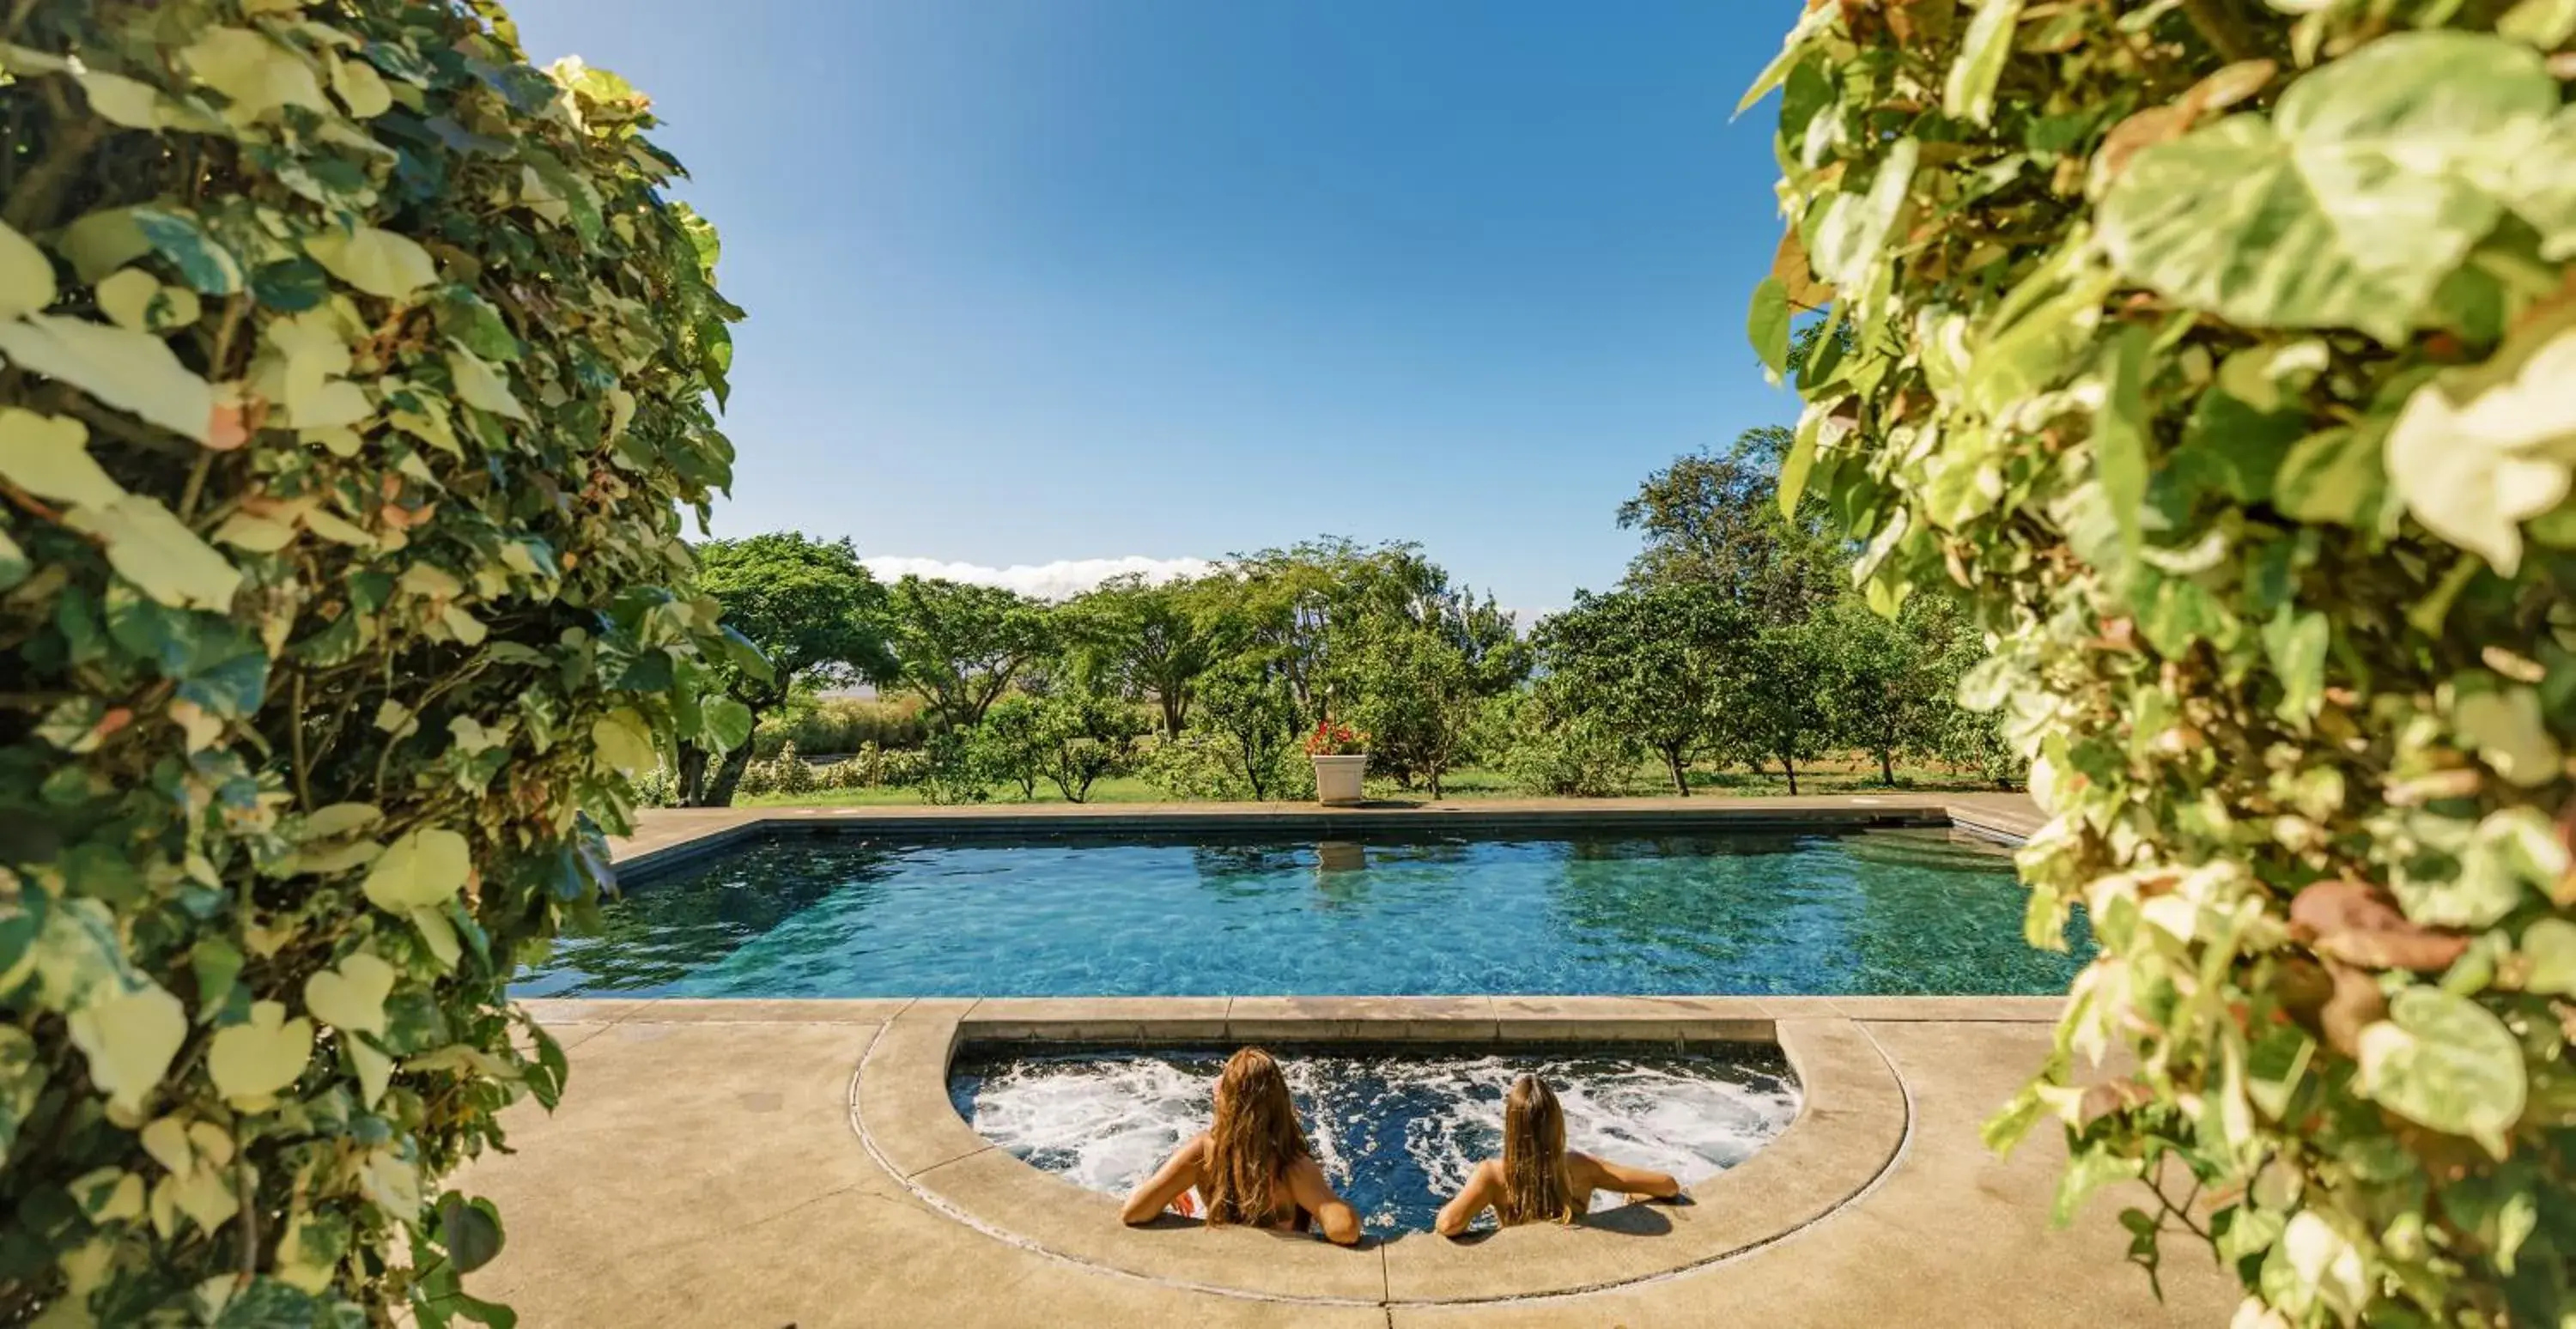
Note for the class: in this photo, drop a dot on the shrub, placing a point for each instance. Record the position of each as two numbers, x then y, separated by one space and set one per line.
1198 765
843 724
354 371
1085 735
954 770
657 788
901 768
1010 743
786 773
2225 362
1570 756
1252 717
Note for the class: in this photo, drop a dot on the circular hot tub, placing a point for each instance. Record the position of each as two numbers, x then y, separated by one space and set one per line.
1772 1125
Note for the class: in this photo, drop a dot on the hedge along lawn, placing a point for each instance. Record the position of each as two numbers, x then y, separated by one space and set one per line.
1851 776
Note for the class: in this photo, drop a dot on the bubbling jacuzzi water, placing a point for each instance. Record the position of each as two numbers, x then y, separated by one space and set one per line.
1397 1130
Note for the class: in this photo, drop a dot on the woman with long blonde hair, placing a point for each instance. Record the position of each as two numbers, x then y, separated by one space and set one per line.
1538 1179
1251 1167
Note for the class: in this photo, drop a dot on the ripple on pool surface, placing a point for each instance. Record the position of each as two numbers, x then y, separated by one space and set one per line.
1395 1130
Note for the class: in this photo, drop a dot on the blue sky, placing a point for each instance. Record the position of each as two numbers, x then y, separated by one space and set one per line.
1045 280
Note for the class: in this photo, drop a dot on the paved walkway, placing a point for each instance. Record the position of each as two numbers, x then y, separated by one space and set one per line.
702 1171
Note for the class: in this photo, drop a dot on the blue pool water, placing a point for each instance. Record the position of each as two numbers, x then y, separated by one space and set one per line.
1879 912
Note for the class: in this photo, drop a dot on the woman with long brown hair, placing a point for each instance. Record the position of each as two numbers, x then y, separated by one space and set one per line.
1251 1166
1538 1179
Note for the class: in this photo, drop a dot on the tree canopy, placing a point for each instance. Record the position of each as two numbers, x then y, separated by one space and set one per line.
812 610
962 646
1649 663
1714 519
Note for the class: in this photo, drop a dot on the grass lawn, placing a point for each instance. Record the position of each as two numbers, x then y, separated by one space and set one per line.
1466 783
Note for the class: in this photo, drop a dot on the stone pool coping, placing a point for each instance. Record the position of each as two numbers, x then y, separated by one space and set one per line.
1854 1125
1856 1120
666 838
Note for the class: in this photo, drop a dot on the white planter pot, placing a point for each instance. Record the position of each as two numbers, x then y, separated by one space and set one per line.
1337 779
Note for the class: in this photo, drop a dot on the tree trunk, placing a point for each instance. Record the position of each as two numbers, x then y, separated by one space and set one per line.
1172 717
1680 772
692 776
1252 772
728 775
1791 768
1887 769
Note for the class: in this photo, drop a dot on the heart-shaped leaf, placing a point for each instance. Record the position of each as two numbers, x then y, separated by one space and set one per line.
470 1229
134 372
623 741
422 868
48 456
152 548
377 261
2549 949
2445 1062
251 1062
351 997
129 1038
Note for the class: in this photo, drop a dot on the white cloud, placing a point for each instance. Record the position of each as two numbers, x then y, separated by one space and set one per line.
1062 579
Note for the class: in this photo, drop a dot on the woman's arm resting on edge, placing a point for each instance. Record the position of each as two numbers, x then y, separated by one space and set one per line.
1472 1199
1306 1185
1155 1193
1609 1176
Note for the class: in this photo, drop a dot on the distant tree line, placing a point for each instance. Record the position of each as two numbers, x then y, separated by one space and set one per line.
1734 639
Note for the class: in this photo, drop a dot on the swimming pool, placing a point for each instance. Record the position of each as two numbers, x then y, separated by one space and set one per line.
1880 912
1396 1130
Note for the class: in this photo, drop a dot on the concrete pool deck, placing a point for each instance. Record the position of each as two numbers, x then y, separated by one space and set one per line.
798 1163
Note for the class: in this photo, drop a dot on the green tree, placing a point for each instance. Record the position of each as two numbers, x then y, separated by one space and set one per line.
812 610
1714 520
2233 390
1650 663
1154 639
1412 693
1255 713
1954 647
1296 610
1011 743
1882 691
1083 735
358 376
1415 671
1550 747
1773 700
960 646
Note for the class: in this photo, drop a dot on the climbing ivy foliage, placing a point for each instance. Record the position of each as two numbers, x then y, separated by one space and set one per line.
2223 357
352 377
